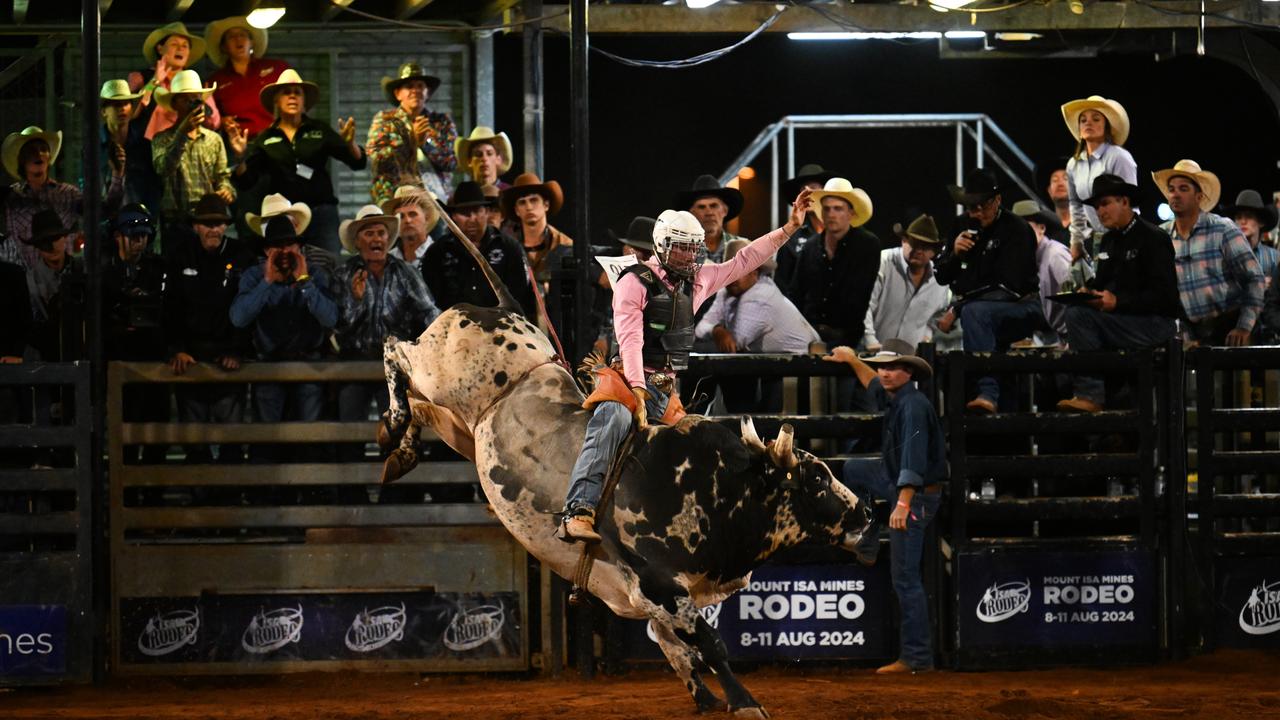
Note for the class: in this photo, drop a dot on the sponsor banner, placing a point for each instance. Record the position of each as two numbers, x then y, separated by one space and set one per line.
1057 599
309 627
797 612
1247 609
33 640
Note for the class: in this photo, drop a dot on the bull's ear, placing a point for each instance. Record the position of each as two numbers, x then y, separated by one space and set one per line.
781 452
749 436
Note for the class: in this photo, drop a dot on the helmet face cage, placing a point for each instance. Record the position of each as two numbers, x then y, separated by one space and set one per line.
678 243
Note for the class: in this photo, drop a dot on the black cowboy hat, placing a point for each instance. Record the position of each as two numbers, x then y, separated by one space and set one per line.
980 185
708 186
469 194
1108 185
812 172
1249 201
211 208
639 233
279 232
406 72
46 228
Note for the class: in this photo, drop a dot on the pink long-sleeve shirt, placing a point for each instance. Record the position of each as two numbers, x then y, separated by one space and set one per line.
629 297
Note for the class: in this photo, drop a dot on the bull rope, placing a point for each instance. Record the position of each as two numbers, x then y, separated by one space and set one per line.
582 572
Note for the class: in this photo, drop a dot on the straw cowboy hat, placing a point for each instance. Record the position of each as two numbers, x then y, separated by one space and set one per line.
900 351
406 72
1113 111
529 184
924 229
1034 211
419 195
1249 201
14 142
113 90
214 31
462 146
186 82
365 216
1208 182
812 172
310 91
708 186
766 268
158 35
277 204
843 189
639 233
1108 185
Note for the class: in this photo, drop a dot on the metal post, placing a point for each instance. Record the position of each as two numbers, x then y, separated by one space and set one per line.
981 149
91 161
531 39
791 149
959 160
774 182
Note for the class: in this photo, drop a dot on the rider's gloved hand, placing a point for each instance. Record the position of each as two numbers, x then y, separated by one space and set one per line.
640 416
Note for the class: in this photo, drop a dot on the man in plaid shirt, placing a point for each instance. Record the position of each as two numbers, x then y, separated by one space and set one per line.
1219 279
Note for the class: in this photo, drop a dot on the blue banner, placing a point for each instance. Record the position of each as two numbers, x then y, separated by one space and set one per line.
33 640
1247 608
1050 600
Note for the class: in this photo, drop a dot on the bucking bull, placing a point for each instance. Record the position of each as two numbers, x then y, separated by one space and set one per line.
695 510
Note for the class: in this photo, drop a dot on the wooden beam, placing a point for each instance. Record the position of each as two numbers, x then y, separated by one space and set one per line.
332 9
20 8
177 8
406 9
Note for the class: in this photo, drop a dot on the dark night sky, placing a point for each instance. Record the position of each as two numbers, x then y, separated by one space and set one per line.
653 131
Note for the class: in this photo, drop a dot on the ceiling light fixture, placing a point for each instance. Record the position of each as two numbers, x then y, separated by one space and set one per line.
929 35
699 4
945 5
964 34
265 17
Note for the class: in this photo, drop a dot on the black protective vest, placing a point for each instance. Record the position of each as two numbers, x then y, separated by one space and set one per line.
668 320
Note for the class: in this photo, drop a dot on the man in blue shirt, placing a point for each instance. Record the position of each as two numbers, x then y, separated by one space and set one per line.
909 474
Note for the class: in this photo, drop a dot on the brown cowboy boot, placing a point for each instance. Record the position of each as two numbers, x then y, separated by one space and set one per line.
581 526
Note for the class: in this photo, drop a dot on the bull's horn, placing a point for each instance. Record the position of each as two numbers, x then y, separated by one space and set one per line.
749 435
782 448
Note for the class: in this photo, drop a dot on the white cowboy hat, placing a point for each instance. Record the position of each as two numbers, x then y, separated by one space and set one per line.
1208 182
277 204
843 189
368 215
13 143
186 82
1113 111
310 91
158 35
117 90
462 146
214 31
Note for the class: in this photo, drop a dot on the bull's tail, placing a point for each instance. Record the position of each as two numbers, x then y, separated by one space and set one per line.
505 300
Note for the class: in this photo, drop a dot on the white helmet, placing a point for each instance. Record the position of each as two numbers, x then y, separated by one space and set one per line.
678 242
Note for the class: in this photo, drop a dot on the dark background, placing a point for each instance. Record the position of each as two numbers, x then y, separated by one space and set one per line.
653 131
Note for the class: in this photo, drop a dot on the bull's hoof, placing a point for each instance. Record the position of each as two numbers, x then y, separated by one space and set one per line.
397 465
708 701
751 713
389 438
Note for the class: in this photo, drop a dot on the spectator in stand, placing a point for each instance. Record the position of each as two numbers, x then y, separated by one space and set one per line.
133 280
1270 334
751 315
487 154
56 286
495 218
527 204
991 268
1100 127
906 298
1219 278
1053 263
418 216
1273 238
1255 220
453 276
190 159
293 154
1136 288
170 49
811 176
713 206
123 145
1060 196
411 145
378 295
299 214
237 48
287 307
28 157
204 270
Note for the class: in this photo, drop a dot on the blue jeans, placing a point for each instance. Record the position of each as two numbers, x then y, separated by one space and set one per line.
1092 330
277 402
607 428
867 477
990 326
216 403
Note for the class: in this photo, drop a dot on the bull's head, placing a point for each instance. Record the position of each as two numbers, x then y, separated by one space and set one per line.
813 505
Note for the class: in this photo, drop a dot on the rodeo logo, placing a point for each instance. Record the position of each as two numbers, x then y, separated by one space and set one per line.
270 631
1002 601
167 632
1260 614
376 629
710 613
472 628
